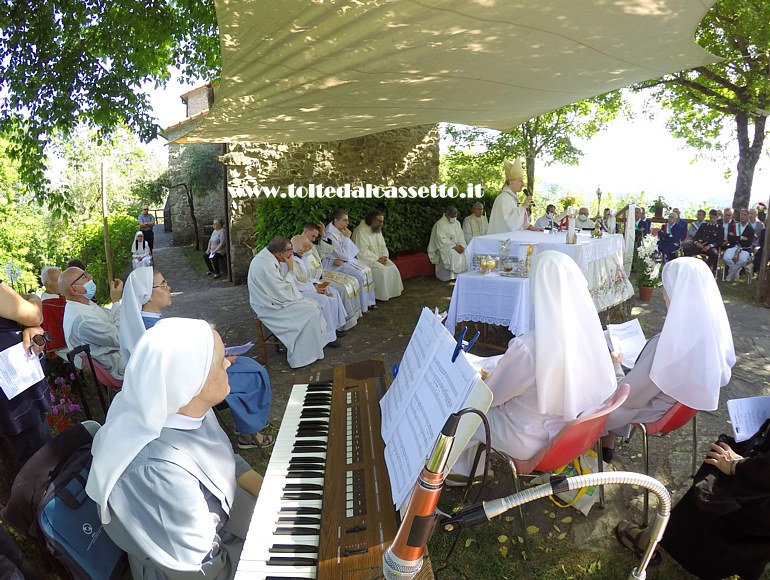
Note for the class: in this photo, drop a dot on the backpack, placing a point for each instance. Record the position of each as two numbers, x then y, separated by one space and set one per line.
49 504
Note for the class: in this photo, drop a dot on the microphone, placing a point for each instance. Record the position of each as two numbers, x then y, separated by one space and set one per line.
403 558
526 192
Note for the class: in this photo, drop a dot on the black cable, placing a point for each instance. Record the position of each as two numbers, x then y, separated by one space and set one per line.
487 461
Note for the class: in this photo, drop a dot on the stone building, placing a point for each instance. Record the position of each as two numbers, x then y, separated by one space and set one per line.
405 156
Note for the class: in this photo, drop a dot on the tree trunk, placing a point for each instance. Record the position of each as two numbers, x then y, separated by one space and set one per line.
191 205
530 162
748 156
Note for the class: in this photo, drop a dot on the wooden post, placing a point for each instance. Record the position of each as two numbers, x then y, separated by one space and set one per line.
107 249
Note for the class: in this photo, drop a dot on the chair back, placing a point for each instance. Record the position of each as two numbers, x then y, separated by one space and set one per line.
675 417
102 374
575 437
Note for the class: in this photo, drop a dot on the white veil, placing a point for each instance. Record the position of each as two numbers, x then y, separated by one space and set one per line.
695 350
136 293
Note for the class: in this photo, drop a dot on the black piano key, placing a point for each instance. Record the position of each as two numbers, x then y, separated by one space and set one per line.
311 443
320 384
296 531
293 549
299 520
300 496
312 423
289 578
306 465
311 434
305 475
307 460
291 561
301 449
315 413
300 510
303 487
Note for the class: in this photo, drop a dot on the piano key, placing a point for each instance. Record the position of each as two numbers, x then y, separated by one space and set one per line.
296 531
297 496
303 487
291 561
299 520
293 549
300 510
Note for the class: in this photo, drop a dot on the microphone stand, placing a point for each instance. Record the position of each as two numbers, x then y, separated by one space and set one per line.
483 512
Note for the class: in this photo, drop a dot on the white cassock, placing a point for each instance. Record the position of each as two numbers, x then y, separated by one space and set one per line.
475 226
98 327
141 256
443 238
295 320
371 247
507 215
346 286
344 249
330 303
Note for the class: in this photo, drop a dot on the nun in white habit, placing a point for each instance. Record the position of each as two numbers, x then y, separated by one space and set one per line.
689 361
170 491
140 252
552 374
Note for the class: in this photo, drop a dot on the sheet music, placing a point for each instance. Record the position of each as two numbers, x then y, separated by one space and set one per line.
18 370
441 388
747 415
627 338
422 346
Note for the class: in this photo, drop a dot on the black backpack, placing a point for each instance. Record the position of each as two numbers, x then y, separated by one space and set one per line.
49 504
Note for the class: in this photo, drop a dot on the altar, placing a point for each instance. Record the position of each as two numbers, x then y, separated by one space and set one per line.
505 301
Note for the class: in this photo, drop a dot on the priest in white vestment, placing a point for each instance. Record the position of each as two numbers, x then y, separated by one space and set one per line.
346 286
328 299
295 320
475 224
344 258
508 215
85 322
446 248
374 253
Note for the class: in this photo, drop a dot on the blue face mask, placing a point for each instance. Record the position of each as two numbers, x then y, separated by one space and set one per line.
90 288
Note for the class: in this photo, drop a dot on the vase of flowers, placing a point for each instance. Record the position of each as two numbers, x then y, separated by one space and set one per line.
658 206
568 201
647 267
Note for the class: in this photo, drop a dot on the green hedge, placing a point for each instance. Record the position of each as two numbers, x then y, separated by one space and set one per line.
86 242
407 221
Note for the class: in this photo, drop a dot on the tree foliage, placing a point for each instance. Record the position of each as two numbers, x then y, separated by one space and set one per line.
736 90
549 138
71 62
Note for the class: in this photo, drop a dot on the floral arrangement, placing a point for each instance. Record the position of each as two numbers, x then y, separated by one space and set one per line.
568 201
63 408
659 203
648 263
761 207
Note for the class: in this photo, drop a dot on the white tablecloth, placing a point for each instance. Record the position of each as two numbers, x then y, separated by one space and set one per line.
600 260
491 298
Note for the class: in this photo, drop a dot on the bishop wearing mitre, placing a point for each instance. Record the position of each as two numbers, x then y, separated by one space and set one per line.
508 215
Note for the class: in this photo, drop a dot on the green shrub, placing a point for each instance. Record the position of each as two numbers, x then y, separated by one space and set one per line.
407 221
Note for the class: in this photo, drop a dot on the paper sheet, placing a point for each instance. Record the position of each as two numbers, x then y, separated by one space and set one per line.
627 338
747 415
416 415
238 350
18 370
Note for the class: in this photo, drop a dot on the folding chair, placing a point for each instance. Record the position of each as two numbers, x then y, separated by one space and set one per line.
265 336
676 417
106 384
576 437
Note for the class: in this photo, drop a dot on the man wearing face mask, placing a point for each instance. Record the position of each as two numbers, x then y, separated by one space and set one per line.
583 222
85 322
446 248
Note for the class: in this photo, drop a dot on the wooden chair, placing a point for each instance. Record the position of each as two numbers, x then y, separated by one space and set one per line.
676 417
576 437
265 337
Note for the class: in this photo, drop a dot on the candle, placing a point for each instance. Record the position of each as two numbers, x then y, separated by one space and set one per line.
571 228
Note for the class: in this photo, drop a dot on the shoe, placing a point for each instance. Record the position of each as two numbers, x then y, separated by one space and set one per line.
217 276
373 307
335 344
251 441
636 539
209 273
341 333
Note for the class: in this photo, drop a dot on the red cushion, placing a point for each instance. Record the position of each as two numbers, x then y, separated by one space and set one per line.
53 318
413 264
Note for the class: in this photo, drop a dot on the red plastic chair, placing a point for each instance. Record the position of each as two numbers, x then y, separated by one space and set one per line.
576 437
676 417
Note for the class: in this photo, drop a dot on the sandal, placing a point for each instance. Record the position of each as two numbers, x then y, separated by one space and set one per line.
252 442
636 539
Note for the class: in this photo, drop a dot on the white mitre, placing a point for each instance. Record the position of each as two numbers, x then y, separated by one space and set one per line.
513 170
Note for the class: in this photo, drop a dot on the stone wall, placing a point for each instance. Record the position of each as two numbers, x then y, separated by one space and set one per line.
400 157
407 156
208 204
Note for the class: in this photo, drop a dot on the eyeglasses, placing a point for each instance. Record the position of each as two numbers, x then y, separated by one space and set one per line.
41 339
163 284
147 209
78 278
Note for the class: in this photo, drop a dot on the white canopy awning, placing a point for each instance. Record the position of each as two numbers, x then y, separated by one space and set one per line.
320 70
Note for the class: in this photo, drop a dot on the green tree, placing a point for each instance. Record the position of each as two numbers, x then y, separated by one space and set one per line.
129 170
736 90
549 138
71 62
